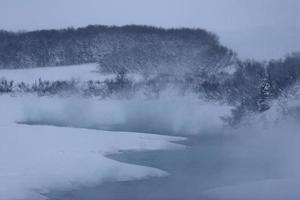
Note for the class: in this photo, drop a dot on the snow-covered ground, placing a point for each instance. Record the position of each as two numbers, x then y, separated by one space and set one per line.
36 159
78 72
84 72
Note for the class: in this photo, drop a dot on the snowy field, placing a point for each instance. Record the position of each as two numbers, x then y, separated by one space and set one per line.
78 72
38 159
84 72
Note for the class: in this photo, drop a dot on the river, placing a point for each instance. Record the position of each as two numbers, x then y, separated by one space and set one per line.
208 162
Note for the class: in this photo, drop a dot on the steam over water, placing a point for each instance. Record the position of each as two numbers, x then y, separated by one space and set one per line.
168 115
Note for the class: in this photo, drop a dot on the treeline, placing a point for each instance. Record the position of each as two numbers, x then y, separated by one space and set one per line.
40 87
252 86
127 48
121 86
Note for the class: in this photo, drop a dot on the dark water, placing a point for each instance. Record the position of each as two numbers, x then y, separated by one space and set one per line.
207 163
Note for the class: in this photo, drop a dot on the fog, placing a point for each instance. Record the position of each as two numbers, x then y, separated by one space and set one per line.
264 161
170 114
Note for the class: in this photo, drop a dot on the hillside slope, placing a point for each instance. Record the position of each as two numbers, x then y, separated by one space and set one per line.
135 48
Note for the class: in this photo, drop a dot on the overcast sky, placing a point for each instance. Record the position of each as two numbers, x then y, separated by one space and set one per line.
260 29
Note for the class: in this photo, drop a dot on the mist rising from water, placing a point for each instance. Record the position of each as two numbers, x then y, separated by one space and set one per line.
169 114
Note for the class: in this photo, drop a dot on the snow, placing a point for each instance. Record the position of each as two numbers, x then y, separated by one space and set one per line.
38 159
230 69
82 72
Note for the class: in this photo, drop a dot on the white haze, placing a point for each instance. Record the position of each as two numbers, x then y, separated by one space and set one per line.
272 156
268 143
170 114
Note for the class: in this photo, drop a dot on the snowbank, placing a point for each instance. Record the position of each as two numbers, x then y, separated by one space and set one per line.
36 159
